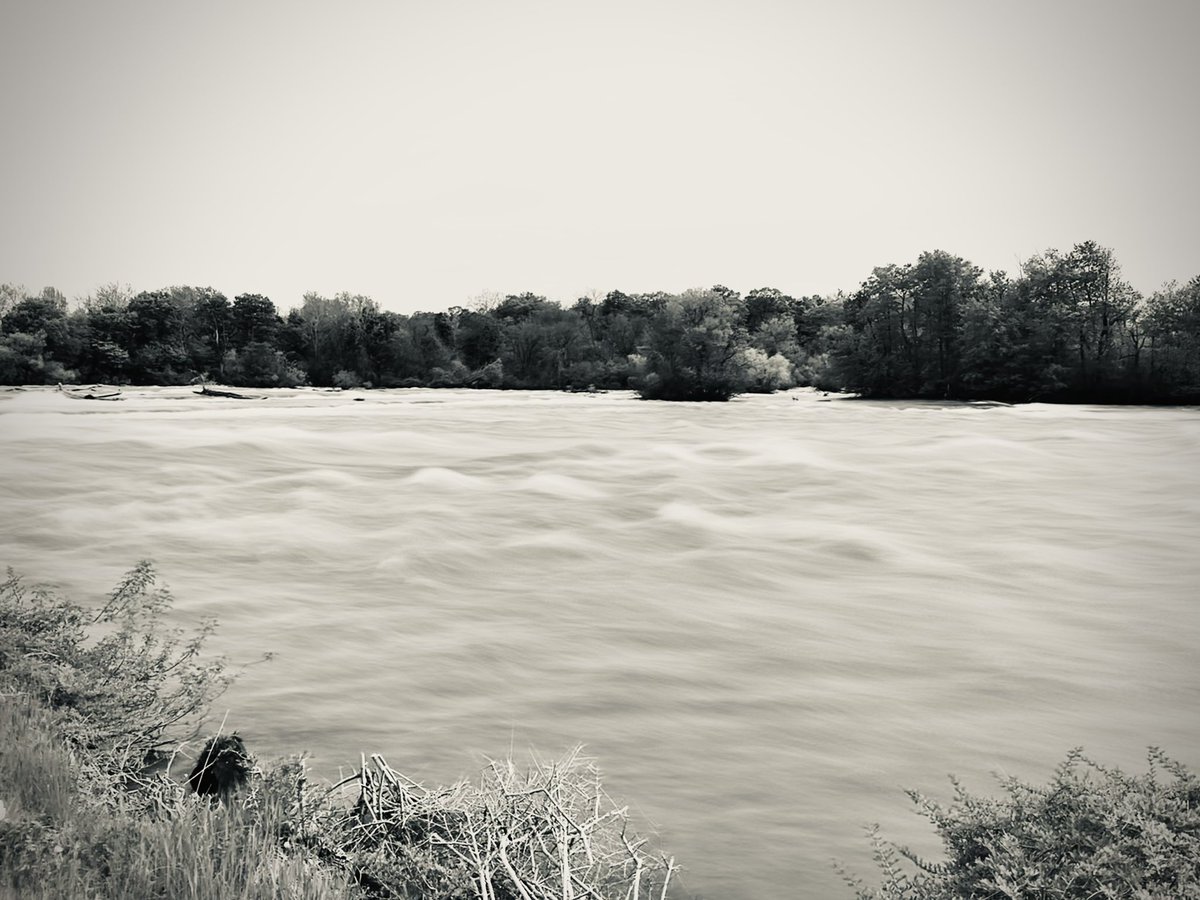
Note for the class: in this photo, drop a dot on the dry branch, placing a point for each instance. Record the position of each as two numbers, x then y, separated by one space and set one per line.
206 391
549 832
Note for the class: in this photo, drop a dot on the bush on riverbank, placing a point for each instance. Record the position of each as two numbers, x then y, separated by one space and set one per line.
90 700
64 835
122 684
1092 832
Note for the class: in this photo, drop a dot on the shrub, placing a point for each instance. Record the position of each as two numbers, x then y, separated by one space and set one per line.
346 379
764 374
86 697
1092 832
489 376
453 375
118 694
261 365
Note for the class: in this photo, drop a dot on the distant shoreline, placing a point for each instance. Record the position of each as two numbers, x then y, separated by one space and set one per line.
1067 328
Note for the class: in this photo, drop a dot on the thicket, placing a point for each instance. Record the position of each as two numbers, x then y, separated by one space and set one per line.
1067 327
1092 833
95 704
91 700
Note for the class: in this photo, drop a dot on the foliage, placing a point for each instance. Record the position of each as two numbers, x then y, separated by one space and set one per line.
38 775
24 360
1066 327
1092 832
1169 341
763 373
260 365
85 698
55 842
123 684
694 342
253 319
346 380
904 322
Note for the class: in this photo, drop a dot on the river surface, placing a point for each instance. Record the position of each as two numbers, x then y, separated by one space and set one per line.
764 619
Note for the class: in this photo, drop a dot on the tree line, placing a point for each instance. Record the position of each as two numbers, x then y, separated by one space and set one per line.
1067 327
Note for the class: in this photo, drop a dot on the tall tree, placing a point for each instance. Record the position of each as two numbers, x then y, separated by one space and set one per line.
1173 328
254 320
156 351
693 346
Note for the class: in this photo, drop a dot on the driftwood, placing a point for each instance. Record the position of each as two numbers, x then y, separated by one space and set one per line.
206 391
95 392
549 833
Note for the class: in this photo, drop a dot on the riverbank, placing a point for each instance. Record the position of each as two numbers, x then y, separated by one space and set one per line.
93 705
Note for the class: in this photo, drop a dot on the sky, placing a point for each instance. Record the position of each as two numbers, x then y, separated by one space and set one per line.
428 153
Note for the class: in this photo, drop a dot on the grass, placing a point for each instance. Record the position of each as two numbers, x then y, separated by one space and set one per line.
91 699
60 839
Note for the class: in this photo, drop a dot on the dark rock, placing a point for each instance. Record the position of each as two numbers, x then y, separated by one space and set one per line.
222 768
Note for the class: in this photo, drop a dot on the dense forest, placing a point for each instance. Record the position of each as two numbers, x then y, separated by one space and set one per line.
1066 328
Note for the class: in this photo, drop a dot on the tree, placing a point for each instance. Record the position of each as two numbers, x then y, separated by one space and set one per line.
155 347
112 295
209 317
107 333
693 346
524 343
254 320
259 364
479 339
763 373
10 296
1172 322
24 360
30 315
871 357
902 339
375 331
765 303
566 342
517 307
942 284
323 331
1102 303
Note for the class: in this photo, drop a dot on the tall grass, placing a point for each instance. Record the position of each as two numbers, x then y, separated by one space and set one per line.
37 775
64 836
89 700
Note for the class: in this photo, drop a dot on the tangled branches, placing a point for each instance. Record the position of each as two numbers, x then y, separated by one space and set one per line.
550 831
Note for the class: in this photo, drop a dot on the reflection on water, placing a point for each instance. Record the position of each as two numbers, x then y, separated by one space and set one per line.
764 618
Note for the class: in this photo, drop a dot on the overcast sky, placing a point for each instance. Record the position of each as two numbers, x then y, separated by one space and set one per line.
424 153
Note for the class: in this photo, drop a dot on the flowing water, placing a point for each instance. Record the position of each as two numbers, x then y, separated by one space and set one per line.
765 618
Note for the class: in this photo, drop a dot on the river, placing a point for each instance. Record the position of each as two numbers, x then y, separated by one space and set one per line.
764 619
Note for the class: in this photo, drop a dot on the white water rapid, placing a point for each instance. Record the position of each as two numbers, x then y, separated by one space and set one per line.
763 618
